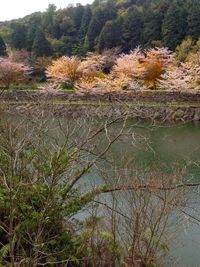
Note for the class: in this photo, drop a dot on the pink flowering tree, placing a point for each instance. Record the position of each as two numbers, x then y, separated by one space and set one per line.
12 73
180 78
128 64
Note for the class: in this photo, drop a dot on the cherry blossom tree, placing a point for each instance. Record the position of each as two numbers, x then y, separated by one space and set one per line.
12 73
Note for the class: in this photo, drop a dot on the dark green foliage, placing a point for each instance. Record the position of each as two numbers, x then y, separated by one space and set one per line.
110 36
194 21
48 18
2 47
18 35
108 23
85 21
34 22
152 27
174 26
101 15
78 15
132 28
41 46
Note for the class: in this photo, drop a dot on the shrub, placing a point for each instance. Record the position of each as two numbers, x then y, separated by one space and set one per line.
12 73
154 64
39 197
65 69
75 72
183 77
128 64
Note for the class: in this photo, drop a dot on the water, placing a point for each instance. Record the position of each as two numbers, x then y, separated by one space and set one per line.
169 146
163 149
166 148
160 149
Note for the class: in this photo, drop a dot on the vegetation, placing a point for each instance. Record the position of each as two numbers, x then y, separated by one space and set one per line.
12 73
139 70
102 25
48 218
107 72
2 47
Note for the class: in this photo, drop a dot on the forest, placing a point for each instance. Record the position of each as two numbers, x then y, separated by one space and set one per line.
102 25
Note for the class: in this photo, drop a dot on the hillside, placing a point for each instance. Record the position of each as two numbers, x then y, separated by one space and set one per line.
105 24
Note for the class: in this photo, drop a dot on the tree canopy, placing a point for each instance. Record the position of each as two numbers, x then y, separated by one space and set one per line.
77 29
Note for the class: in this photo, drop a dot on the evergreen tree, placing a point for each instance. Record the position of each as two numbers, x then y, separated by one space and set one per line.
194 21
2 47
110 36
107 23
77 16
33 23
41 46
30 37
132 29
152 27
174 26
48 18
99 18
18 35
87 15
95 27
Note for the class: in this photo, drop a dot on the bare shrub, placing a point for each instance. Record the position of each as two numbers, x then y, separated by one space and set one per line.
12 73
51 208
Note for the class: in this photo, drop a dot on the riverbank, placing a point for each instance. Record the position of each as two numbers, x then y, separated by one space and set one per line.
126 96
148 105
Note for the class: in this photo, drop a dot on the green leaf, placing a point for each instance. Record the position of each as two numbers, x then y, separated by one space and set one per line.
4 251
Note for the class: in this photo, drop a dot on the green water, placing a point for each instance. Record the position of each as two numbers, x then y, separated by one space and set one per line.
162 149
166 148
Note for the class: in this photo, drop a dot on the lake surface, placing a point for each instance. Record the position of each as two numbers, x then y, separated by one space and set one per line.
162 149
166 148
169 147
180 145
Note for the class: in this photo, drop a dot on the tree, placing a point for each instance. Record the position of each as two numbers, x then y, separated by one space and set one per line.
132 29
156 61
3 48
41 46
182 50
65 69
193 20
175 79
37 221
12 73
110 36
128 64
77 16
87 15
42 202
33 24
20 56
134 22
85 21
73 70
48 18
152 27
174 27
99 18
18 35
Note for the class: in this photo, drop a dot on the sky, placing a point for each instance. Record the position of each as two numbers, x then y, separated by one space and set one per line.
13 9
